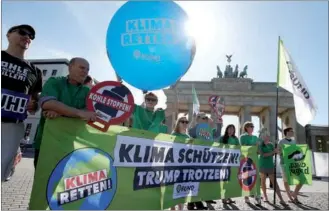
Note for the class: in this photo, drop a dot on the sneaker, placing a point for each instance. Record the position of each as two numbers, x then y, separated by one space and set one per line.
258 200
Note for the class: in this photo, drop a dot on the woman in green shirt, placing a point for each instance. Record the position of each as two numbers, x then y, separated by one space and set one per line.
266 151
180 130
229 138
248 139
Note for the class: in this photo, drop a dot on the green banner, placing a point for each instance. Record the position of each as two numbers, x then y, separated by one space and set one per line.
297 164
80 167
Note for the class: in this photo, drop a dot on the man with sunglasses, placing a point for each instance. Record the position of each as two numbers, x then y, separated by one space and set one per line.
145 117
21 83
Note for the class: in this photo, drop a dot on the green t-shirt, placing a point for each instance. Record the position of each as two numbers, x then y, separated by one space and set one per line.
266 162
231 140
247 140
181 135
144 119
283 142
71 95
163 129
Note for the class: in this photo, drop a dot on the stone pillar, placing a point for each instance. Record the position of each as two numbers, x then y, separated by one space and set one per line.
267 120
169 122
244 116
273 123
190 111
289 120
264 117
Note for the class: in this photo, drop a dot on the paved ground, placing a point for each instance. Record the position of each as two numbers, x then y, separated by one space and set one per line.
15 194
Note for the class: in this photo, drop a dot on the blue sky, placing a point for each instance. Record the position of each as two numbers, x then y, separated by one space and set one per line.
249 30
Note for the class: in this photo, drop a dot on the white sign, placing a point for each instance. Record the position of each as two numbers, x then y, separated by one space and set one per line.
182 190
142 152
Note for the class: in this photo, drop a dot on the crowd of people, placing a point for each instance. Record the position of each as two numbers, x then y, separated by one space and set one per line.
65 96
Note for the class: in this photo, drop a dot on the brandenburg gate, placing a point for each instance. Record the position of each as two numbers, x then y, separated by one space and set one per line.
242 97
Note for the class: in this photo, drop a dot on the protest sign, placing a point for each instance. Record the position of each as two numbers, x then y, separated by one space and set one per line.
112 101
297 164
217 106
96 171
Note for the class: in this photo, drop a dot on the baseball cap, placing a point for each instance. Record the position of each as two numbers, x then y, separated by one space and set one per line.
201 115
23 26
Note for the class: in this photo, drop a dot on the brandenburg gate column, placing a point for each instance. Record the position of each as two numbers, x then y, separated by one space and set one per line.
288 119
244 116
267 120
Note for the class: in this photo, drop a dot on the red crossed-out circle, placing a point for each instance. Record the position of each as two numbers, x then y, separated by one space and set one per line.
250 186
216 106
114 120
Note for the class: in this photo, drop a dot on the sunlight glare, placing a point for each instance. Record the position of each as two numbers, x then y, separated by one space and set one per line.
202 28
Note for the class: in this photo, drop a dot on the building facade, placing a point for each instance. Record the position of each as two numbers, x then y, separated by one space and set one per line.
317 137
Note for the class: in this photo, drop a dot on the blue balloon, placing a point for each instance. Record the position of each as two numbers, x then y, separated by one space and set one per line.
147 44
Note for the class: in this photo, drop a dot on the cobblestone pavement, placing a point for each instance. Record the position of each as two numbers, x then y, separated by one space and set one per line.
15 194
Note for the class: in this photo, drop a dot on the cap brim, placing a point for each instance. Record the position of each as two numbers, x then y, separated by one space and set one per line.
23 26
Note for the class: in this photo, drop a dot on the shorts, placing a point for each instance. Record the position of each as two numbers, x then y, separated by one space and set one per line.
266 170
11 134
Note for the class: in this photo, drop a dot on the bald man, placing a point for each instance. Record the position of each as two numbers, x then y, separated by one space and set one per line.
64 96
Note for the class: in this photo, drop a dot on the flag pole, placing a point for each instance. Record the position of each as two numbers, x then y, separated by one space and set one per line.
276 121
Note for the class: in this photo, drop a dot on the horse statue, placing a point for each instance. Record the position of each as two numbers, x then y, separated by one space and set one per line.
228 71
219 72
244 72
236 71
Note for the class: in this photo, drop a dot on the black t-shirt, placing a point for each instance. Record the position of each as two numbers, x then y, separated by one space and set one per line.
19 81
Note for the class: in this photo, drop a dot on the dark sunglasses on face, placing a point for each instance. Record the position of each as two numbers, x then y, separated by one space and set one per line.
251 126
24 33
184 122
151 99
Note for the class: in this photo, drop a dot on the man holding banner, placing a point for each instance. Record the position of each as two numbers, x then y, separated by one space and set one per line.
64 96
288 133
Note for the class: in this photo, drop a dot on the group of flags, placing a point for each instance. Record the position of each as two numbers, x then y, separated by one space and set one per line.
290 79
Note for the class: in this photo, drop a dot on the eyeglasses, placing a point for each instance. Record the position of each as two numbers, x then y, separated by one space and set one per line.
184 122
204 118
24 33
151 99
251 126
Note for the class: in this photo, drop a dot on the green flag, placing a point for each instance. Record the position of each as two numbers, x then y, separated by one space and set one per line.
81 168
297 164
196 104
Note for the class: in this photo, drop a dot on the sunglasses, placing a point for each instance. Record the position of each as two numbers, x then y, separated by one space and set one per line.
24 33
184 122
151 99
251 126
204 118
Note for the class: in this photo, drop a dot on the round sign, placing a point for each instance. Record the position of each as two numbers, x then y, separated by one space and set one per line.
85 179
112 101
247 174
148 44
204 132
216 104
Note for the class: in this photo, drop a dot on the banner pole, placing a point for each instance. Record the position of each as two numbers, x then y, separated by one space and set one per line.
276 123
